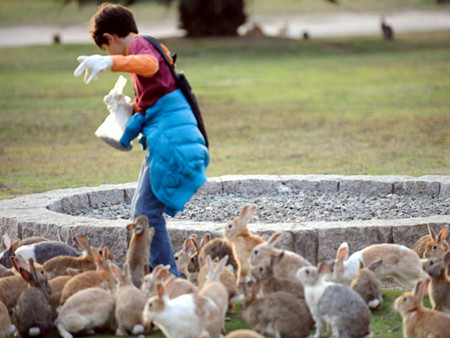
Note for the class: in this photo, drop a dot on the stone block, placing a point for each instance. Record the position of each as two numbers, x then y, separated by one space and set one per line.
306 243
417 186
74 202
366 185
319 183
253 185
106 197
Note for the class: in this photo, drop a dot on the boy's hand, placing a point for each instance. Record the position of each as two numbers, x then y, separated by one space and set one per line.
93 65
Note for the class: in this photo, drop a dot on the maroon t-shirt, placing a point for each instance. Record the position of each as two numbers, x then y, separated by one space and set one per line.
148 90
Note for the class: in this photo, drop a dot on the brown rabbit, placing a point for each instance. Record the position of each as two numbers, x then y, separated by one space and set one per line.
87 310
138 253
213 288
57 285
228 279
183 256
278 314
57 266
12 286
287 266
130 303
161 274
89 278
218 248
271 282
439 290
419 321
367 284
6 328
431 245
28 321
243 242
194 264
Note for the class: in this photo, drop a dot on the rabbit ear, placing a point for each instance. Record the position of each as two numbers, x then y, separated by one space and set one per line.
272 239
247 213
219 267
431 232
115 271
6 241
361 264
15 263
205 239
131 226
373 266
26 275
443 234
15 246
342 253
419 290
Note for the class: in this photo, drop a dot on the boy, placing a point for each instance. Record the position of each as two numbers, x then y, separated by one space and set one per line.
175 164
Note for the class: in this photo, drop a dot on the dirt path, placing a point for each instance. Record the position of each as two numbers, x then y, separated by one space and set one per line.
317 25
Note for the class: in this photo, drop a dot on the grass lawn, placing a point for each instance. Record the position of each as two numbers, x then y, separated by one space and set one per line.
327 106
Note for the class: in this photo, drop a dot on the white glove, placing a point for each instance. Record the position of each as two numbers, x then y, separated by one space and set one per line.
93 65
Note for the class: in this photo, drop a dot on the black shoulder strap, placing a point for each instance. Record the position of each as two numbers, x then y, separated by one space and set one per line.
158 46
183 84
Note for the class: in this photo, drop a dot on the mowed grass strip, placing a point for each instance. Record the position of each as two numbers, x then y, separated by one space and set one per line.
271 106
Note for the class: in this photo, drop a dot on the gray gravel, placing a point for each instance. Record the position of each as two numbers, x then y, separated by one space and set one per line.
295 207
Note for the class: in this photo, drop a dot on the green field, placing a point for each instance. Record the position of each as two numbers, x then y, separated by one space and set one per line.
271 106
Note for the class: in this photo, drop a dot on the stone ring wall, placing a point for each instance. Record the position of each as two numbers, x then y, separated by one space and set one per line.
45 213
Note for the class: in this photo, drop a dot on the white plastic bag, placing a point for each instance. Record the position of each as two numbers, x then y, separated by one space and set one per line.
120 110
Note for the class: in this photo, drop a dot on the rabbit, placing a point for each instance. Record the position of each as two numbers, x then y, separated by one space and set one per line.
120 110
227 278
33 313
287 266
56 285
244 333
399 262
271 282
43 251
342 309
243 242
161 274
87 310
6 328
366 283
130 302
213 288
218 248
439 290
57 266
138 253
89 278
431 245
277 314
187 316
194 266
419 321
183 256
12 286
5 272
9 248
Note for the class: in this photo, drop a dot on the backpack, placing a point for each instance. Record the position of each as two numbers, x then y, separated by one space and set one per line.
183 83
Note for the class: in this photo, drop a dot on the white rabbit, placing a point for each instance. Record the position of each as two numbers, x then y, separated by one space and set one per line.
398 262
341 308
120 110
187 316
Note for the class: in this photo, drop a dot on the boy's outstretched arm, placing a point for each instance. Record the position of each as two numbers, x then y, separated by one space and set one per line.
92 65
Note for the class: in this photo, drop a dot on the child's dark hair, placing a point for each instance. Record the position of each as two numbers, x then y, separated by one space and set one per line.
112 19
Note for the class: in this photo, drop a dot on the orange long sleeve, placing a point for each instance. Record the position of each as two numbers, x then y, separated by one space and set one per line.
144 65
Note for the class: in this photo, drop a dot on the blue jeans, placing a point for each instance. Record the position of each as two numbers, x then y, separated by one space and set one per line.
145 203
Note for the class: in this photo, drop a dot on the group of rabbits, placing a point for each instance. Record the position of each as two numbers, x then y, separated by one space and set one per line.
50 285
